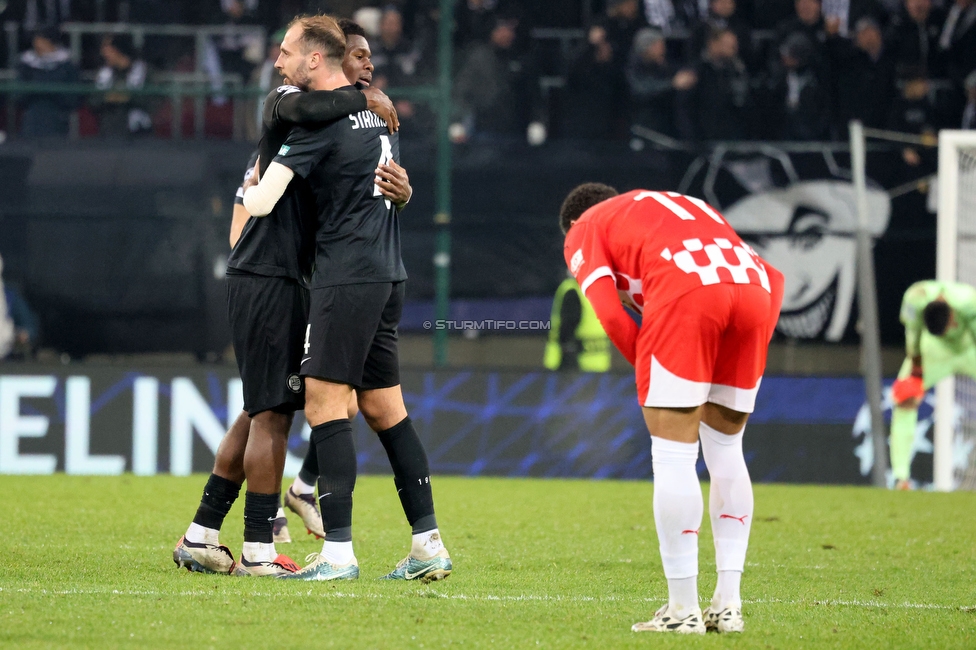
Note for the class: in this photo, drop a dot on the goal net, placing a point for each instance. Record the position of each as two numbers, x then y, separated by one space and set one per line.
955 410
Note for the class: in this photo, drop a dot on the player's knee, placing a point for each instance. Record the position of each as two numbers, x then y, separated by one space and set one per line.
723 419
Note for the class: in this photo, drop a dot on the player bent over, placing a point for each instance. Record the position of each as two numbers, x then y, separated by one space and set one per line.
940 341
709 305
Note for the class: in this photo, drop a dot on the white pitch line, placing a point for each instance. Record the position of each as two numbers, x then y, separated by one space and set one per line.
480 597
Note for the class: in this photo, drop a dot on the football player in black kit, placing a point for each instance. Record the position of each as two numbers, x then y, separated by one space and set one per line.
356 302
266 301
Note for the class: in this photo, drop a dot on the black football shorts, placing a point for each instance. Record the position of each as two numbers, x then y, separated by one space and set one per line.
267 322
351 336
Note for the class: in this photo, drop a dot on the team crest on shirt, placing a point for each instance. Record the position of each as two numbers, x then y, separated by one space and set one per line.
576 261
294 383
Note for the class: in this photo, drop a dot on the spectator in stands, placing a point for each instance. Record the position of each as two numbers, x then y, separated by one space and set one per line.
673 15
865 77
808 21
395 60
653 82
912 111
119 112
958 39
594 89
969 113
913 36
621 22
802 103
721 14
718 106
474 21
239 54
47 62
397 64
496 90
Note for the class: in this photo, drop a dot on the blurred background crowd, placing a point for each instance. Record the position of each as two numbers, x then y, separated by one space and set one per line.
587 69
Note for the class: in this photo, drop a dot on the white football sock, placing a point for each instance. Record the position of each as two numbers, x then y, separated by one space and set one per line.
730 505
337 553
301 487
281 513
200 535
426 544
677 515
259 552
683 596
727 590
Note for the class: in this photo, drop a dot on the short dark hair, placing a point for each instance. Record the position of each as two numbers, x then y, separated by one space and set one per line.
936 317
581 199
351 28
321 33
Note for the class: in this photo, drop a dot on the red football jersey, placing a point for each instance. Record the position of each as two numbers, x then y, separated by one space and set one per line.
658 246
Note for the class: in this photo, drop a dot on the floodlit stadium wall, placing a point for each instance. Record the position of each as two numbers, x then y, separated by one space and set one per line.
88 419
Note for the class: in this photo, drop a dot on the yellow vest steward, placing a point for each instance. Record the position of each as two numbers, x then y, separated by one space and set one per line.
595 355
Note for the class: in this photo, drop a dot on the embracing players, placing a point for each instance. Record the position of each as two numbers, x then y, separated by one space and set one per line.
267 304
709 306
356 302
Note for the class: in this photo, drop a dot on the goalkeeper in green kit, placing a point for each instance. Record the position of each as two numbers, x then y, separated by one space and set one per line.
940 340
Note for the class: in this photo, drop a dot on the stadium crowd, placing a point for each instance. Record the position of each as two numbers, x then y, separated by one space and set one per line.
688 69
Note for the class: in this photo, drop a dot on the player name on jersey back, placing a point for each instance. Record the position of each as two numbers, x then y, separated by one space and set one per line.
367 120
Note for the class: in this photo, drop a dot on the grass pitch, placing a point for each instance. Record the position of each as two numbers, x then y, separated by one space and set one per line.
87 563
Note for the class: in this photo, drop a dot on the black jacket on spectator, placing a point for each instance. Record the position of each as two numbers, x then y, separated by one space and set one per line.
652 95
718 107
695 45
802 106
595 97
961 53
497 90
818 37
912 44
913 116
47 114
620 32
864 88
769 14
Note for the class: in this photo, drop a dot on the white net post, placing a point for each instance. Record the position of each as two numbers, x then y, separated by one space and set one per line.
956 262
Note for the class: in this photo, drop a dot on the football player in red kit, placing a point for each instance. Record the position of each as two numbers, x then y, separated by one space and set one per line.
708 307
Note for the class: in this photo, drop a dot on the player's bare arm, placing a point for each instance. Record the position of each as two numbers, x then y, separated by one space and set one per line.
394 183
237 222
240 215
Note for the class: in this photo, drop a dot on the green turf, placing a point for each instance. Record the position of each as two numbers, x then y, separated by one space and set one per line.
87 562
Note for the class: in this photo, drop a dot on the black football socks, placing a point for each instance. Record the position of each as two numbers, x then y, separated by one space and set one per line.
309 473
411 474
337 477
260 511
218 496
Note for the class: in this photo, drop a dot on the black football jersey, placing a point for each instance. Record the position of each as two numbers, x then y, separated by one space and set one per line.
281 244
357 233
